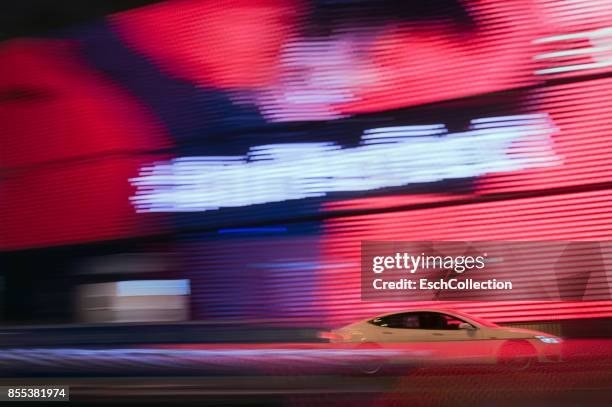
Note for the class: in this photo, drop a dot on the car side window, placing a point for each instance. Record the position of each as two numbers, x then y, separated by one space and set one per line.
399 321
437 321
410 321
418 320
452 322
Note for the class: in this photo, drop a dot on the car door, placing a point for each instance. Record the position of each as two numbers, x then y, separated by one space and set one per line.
440 327
450 343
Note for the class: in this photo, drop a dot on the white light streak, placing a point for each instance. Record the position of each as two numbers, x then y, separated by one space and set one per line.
386 157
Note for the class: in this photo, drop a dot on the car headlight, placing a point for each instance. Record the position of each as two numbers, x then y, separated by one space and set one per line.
548 339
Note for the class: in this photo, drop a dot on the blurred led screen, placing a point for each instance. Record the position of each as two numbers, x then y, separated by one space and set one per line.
456 119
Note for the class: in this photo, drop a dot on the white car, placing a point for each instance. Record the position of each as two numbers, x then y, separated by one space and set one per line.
445 336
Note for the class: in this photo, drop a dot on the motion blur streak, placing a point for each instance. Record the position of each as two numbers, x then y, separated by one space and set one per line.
311 375
582 139
276 358
579 41
386 157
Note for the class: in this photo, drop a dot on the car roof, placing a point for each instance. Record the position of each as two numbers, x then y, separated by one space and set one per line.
438 310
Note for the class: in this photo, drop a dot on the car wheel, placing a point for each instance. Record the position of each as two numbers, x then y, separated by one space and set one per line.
370 365
517 355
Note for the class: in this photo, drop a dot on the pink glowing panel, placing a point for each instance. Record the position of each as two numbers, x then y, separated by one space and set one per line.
577 216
